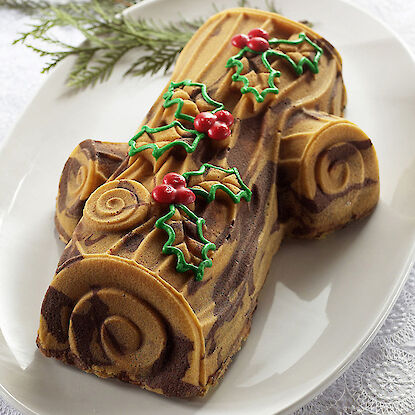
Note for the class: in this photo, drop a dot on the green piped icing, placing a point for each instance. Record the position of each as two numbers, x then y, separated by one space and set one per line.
298 67
210 196
168 249
190 148
159 151
179 101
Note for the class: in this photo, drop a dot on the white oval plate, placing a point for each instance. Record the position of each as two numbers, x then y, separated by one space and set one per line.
322 301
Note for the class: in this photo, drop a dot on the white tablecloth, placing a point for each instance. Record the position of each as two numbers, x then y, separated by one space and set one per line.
382 380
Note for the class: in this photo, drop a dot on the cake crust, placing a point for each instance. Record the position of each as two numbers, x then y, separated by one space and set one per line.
119 305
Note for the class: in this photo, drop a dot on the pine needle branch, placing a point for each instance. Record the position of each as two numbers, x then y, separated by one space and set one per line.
26 6
109 35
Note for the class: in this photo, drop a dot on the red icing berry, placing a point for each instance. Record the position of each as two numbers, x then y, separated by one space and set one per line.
204 121
225 116
258 32
219 131
164 193
173 190
185 196
175 180
258 44
240 40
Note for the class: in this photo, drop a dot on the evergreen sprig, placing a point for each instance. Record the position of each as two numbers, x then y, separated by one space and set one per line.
26 6
109 35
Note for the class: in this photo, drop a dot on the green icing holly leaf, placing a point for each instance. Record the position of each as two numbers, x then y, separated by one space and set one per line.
170 249
159 151
298 67
210 194
180 102
190 148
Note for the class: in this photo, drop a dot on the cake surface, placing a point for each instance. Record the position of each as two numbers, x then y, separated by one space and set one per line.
162 294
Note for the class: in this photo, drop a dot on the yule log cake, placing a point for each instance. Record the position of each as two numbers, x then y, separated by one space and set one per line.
169 244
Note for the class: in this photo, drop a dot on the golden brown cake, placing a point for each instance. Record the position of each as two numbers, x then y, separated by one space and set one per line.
88 166
246 145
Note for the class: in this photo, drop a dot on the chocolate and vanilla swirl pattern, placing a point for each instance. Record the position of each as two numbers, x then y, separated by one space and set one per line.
329 174
90 165
118 306
106 316
127 330
338 167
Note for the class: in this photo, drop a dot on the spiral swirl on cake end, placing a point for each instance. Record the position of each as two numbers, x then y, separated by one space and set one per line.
117 205
114 318
334 162
338 168
112 327
89 166
332 176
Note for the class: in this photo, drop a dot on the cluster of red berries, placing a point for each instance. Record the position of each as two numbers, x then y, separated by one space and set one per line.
217 126
173 190
256 39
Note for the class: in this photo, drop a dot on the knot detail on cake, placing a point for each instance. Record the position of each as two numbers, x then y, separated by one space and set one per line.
111 326
111 316
117 205
89 166
339 167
